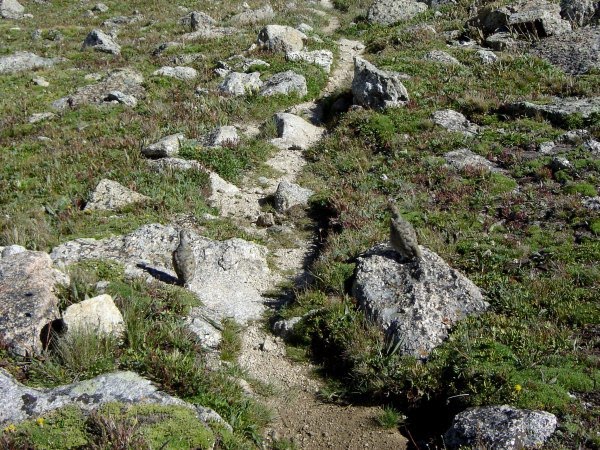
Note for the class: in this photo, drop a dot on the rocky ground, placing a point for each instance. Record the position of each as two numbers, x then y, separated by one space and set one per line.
194 237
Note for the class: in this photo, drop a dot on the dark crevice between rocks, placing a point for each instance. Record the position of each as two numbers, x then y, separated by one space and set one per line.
50 332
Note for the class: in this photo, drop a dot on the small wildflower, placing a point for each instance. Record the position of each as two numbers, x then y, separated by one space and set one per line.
40 421
518 388
10 429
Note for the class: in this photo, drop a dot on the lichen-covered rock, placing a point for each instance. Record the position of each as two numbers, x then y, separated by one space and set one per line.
10 250
99 314
559 110
487 56
22 61
252 16
110 195
280 38
19 402
500 427
454 121
166 164
375 88
441 57
418 302
576 52
196 20
463 157
28 301
166 147
102 42
237 83
11 9
179 72
321 58
285 83
388 12
222 136
127 81
293 132
289 194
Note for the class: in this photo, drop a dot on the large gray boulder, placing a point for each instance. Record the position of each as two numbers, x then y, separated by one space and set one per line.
375 88
127 81
110 195
534 18
417 302
289 194
560 109
281 38
102 42
580 12
166 147
388 12
576 52
11 9
21 61
285 83
295 133
501 428
237 83
19 402
454 121
28 301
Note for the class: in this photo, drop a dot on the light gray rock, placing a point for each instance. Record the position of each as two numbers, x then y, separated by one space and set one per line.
559 109
101 42
236 83
240 63
28 303
463 158
22 61
592 146
222 137
305 28
196 20
280 38
120 97
165 147
295 133
265 220
284 83
442 58
19 402
487 56
40 81
99 314
127 81
252 16
591 203
289 194
11 9
416 302
118 21
209 33
110 195
40 117
230 278
500 427
100 7
501 41
576 52
388 12
171 164
375 88
321 58
146 252
454 121
180 72
11 250
285 328
580 12
165 46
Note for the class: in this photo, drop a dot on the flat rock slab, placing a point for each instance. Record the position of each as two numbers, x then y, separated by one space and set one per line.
560 109
27 299
576 52
110 195
500 427
127 81
145 252
463 157
22 61
419 302
19 402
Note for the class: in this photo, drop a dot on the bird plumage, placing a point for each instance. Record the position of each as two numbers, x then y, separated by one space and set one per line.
403 237
184 261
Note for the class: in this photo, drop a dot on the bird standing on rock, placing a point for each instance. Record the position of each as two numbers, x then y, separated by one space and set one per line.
184 261
403 236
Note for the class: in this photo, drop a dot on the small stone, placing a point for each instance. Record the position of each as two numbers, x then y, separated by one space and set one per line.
322 58
39 117
99 314
223 137
375 88
120 97
12 250
180 72
100 7
166 147
265 220
454 121
237 84
285 83
11 9
442 57
279 38
110 195
40 81
487 56
102 42
289 195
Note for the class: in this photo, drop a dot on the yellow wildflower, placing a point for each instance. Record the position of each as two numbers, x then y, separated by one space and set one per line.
518 388
40 421
10 429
